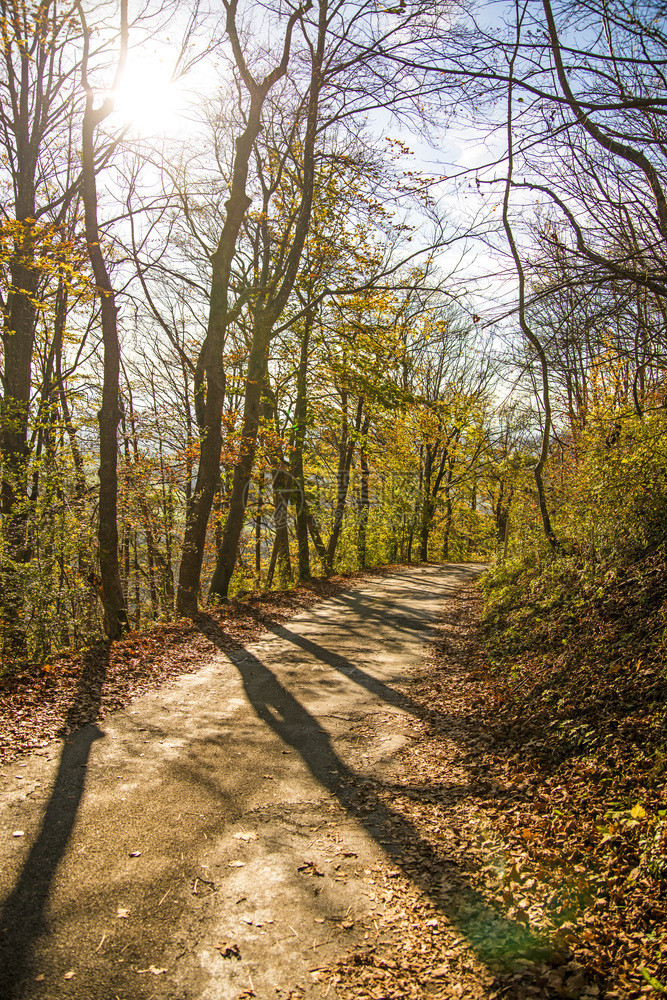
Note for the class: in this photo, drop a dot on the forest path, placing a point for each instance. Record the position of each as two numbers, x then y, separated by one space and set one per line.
213 841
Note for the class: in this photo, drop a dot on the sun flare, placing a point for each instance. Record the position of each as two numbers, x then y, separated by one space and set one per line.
148 100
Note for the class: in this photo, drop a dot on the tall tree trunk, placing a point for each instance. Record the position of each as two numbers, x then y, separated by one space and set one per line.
142 502
258 533
267 310
449 507
427 506
243 469
473 508
209 376
18 337
126 530
527 330
280 556
281 482
449 511
164 563
296 458
115 609
345 454
364 498
77 458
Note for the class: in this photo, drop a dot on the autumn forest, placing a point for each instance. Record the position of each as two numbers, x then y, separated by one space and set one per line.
279 333
305 296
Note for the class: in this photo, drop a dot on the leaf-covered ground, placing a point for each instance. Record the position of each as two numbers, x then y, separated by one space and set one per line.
47 701
535 780
538 779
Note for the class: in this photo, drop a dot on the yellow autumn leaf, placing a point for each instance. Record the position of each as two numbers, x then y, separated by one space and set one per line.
638 812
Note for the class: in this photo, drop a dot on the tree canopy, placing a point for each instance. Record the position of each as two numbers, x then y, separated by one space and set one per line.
353 285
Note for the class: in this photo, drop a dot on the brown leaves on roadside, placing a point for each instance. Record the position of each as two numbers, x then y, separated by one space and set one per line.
310 868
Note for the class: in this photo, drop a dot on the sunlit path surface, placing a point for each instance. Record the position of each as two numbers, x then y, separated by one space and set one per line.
221 812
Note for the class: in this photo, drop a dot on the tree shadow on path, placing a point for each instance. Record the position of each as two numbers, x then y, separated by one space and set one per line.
346 667
22 918
495 938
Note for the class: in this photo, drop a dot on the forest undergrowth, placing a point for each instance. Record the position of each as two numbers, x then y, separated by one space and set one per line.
579 714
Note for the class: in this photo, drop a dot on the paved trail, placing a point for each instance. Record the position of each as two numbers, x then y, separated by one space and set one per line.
208 841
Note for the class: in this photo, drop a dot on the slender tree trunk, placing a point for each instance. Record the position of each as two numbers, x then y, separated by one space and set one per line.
364 498
449 512
146 518
280 555
320 547
77 458
473 508
258 533
300 421
281 482
523 322
164 563
427 507
115 609
345 454
449 506
209 400
126 531
267 310
18 337
243 470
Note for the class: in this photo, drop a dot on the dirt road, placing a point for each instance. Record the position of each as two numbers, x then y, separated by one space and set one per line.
211 842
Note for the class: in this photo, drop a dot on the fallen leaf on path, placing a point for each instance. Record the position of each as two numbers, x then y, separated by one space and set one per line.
39 978
236 864
122 912
153 969
135 854
310 868
69 975
245 836
228 949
